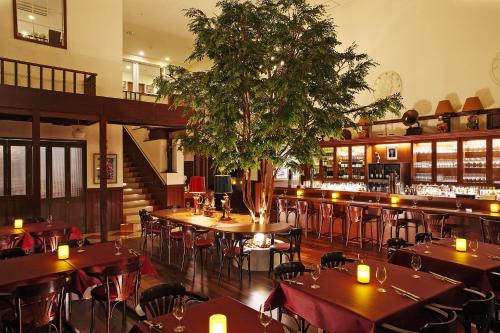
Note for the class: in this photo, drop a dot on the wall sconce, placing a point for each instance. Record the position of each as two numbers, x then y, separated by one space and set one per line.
363 274
494 208
335 195
18 223
461 244
63 252
218 323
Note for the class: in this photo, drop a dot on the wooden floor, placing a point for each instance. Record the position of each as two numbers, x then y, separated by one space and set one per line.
252 292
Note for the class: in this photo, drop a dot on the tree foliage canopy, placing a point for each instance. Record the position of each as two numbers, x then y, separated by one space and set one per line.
278 81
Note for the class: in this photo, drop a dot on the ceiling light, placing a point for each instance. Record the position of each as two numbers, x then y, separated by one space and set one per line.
167 58
141 53
31 17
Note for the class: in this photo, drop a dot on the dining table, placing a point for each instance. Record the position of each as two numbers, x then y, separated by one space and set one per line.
239 317
473 269
343 305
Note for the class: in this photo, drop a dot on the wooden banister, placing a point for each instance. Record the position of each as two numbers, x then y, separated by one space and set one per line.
88 79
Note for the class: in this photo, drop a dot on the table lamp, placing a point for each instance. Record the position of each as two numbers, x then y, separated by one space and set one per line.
218 323
18 223
494 208
197 187
363 273
222 185
63 252
461 244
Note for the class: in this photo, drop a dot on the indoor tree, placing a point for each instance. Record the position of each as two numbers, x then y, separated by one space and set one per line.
277 82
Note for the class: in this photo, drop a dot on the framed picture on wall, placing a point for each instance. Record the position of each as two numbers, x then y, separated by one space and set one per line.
111 168
392 152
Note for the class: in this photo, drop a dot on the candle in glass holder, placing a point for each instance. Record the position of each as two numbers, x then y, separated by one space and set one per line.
394 200
18 223
363 274
335 195
494 208
300 193
218 323
63 252
461 244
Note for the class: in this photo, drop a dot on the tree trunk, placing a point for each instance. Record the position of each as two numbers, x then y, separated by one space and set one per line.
266 192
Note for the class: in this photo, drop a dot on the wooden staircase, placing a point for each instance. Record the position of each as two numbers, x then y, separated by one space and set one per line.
135 196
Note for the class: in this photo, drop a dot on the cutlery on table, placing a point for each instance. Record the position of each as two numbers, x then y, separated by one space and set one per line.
298 283
494 257
157 327
444 278
406 293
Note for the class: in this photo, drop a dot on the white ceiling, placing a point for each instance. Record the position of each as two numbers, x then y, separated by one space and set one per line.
159 27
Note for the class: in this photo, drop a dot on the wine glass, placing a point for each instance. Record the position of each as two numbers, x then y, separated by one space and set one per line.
454 237
179 311
188 204
315 273
416 264
377 198
381 276
49 219
428 243
118 245
458 204
285 191
174 209
265 317
361 258
351 196
80 242
323 194
415 202
474 245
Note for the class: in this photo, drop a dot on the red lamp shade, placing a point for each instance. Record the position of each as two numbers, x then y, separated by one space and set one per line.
197 184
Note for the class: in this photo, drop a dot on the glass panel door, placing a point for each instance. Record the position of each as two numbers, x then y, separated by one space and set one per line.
496 161
342 163
2 179
358 162
58 172
446 161
474 161
18 170
422 162
76 171
327 162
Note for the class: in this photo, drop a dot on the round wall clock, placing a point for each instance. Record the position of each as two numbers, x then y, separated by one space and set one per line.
495 69
387 84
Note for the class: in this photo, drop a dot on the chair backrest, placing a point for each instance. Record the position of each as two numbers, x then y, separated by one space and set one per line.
393 244
289 270
73 243
490 230
124 278
333 259
44 300
159 300
12 253
421 236
390 216
479 310
447 323
326 210
8 241
296 238
355 213
228 242
434 223
52 238
302 207
282 205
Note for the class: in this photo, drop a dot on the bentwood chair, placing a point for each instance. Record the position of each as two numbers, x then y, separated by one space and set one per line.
171 232
287 271
390 218
490 230
150 229
37 306
446 323
435 224
288 248
119 284
195 241
283 207
477 310
232 249
334 259
8 241
49 240
159 300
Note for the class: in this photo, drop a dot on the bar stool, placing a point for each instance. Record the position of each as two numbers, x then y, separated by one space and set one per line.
283 207
329 213
355 214
390 217
435 224
304 210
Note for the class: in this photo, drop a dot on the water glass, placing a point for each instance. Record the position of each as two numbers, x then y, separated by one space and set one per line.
80 243
315 273
416 264
178 312
473 245
381 276
118 245
458 204
265 317
415 202
377 198
428 243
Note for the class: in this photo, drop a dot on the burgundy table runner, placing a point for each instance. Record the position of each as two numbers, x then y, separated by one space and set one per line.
342 305
240 318
461 266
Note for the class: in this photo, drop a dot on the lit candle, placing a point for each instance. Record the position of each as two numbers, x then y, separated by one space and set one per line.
394 200
18 223
461 244
363 274
494 208
300 193
63 252
218 323
335 195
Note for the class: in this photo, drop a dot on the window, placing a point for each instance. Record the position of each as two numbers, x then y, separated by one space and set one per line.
2 191
41 21
18 170
76 171
43 172
58 172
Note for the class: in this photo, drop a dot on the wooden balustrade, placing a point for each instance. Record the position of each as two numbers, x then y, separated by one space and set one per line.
26 74
138 96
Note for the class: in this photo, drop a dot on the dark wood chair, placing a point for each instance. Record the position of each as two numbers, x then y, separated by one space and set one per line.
37 306
232 249
436 225
283 207
288 248
8 241
390 218
12 253
421 236
495 276
150 230
119 284
171 233
447 323
195 241
477 310
490 230
48 241
334 259
159 300
73 243
394 244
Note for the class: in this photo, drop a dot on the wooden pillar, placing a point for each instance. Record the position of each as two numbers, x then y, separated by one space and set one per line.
103 182
35 136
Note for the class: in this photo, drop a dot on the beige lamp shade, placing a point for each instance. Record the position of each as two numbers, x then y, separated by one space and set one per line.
472 104
444 107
